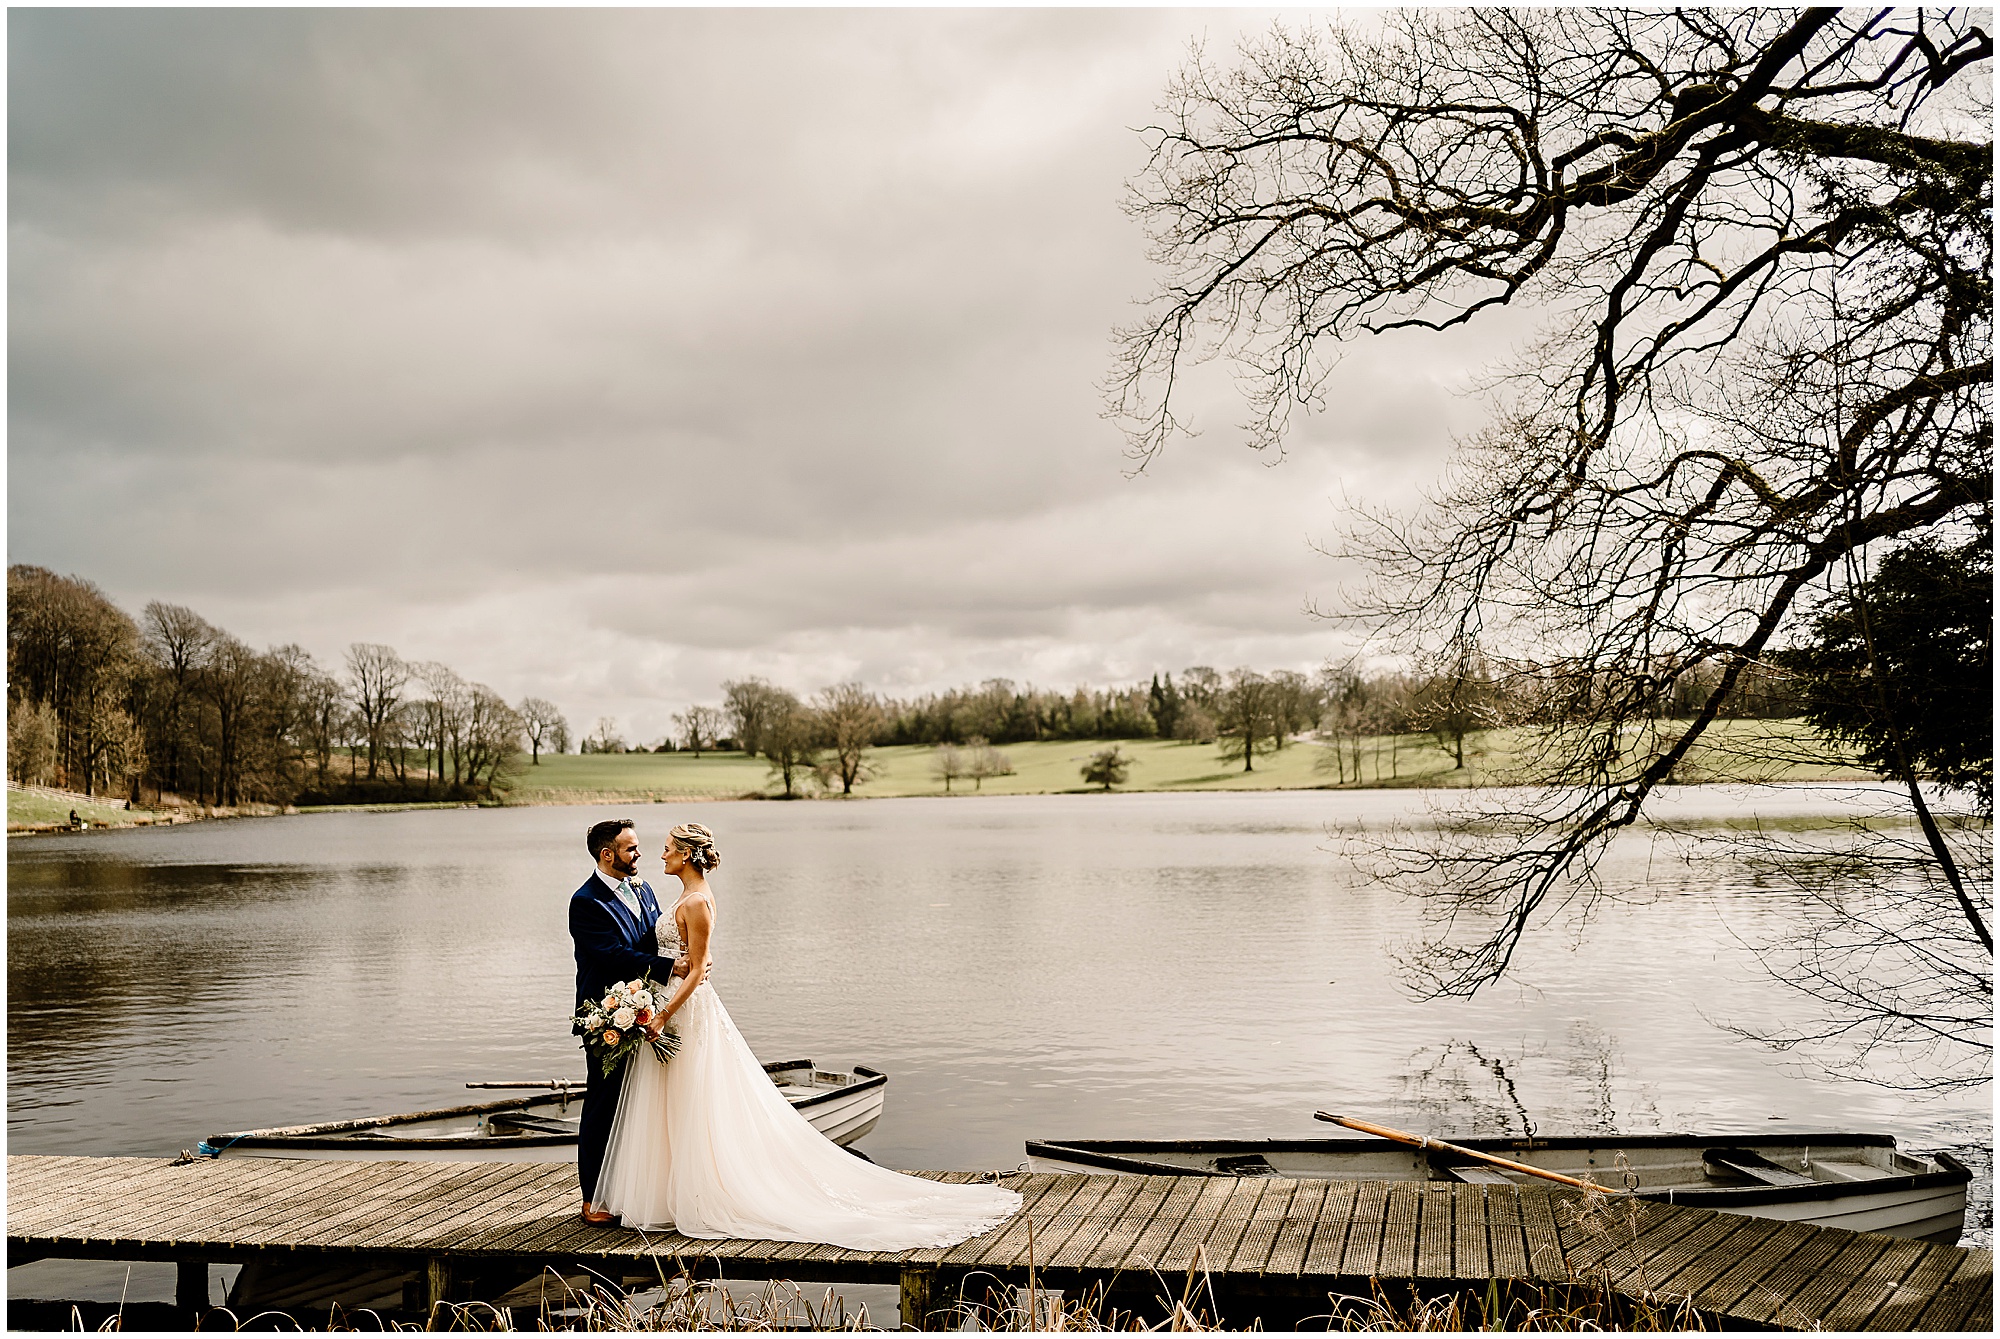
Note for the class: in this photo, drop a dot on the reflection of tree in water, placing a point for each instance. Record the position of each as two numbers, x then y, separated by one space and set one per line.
1460 1088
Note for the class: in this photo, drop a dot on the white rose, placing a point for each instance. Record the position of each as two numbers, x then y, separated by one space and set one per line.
642 999
594 1022
623 1018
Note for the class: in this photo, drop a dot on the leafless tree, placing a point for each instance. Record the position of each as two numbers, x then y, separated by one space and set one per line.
1244 723
1761 239
70 648
605 738
849 719
749 704
441 718
983 760
790 738
227 683
491 741
32 734
177 641
325 703
539 718
700 728
947 764
377 675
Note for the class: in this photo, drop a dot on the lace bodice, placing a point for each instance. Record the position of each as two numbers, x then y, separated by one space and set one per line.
669 936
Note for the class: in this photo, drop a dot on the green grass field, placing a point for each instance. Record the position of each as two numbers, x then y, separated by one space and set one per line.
53 806
1731 751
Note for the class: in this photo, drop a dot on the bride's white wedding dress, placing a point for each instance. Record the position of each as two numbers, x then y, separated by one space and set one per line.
705 1144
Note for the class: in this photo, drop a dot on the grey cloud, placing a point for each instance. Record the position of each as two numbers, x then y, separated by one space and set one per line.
614 352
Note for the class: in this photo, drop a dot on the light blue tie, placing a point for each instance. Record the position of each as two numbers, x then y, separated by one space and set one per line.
630 897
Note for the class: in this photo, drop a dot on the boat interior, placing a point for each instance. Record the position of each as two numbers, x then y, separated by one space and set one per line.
1635 1165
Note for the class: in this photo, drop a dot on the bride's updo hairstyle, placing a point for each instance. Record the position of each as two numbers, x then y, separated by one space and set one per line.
697 843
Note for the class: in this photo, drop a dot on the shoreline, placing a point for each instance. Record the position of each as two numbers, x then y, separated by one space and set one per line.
577 799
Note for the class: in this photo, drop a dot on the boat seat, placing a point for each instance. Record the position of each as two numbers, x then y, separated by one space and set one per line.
1245 1164
1755 1166
527 1121
1843 1170
1477 1173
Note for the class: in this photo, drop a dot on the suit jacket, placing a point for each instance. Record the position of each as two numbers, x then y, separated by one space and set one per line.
611 945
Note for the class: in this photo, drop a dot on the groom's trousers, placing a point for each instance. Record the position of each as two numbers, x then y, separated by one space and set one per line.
600 1104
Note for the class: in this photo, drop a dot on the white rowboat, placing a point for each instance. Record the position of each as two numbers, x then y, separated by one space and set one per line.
843 1105
1861 1182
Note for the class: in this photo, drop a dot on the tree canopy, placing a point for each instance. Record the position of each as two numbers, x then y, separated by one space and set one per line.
1760 245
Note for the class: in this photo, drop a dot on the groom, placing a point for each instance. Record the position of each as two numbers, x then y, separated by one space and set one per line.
611 918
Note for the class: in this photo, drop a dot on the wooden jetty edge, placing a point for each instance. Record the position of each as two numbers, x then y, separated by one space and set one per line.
1259 1239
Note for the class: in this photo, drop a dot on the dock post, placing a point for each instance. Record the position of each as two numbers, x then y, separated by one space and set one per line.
191 1288
919 1297
438 1284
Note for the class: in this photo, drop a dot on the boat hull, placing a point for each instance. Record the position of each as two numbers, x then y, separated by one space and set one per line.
842 1105
1860 1182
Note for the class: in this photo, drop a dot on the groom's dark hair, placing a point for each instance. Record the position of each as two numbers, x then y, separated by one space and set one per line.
605 833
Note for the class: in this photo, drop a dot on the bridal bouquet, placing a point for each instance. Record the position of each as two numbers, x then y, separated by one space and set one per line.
613 1027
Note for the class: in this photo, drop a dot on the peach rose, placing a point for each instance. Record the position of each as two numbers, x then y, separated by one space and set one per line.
611 1036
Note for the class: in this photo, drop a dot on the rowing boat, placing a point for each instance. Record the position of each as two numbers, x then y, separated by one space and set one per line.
1861 1182
843 1105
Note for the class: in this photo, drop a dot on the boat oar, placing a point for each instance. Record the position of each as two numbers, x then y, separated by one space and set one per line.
1424 1141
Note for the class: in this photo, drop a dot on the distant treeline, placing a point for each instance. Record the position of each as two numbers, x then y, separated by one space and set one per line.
169 708
1245 712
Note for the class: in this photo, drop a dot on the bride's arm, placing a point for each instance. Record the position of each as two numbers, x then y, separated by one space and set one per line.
699 922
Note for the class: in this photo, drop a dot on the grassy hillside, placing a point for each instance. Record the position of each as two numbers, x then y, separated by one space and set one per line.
1733 750
38 805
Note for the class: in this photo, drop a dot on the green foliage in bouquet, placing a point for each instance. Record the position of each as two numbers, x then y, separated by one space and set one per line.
629 1012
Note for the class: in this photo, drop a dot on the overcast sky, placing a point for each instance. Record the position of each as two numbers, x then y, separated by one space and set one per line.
607 355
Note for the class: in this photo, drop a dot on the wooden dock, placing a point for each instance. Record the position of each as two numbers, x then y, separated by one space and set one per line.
1266 1244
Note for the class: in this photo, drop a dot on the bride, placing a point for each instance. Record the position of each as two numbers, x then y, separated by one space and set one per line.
705 1144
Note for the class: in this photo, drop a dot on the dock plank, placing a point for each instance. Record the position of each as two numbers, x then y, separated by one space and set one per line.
1050 1238
1362 1256
1966 1297
1260 1234
1506 1237
1775 1302
1399 1231
1707 1234
68 1196
1239 1232
1799 1246
1036 1210
1693 1277
1143 1254
1595 1236
1203 1216
1546 1259
1114 1250
1908 1300
1875 1285
1215 1253
1470 1255
1437 1210
1100 1222
1295 1234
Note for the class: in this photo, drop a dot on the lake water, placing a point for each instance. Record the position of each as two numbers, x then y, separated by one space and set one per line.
1023 967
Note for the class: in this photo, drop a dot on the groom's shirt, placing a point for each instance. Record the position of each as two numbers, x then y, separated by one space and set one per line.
625 893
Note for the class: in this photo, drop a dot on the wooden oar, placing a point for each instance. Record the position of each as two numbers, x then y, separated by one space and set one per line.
1425 1141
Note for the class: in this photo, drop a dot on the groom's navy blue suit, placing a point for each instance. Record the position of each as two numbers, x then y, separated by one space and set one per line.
611 946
